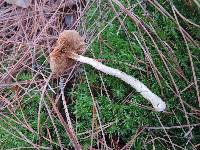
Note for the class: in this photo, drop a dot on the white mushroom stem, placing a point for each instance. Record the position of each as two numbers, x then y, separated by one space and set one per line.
156 101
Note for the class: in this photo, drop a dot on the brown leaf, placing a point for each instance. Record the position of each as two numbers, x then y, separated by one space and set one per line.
20 3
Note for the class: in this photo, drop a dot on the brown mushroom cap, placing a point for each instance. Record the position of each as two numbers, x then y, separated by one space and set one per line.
68 41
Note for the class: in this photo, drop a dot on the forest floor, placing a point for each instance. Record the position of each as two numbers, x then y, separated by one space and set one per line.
157 42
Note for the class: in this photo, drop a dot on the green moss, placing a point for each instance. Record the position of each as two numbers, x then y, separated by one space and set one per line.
119 104
116 48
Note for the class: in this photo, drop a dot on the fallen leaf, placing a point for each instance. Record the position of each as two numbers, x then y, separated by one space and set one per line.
20 3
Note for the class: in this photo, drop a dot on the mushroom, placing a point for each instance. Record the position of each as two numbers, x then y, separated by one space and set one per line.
71 45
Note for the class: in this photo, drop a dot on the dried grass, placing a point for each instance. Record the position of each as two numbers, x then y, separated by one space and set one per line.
29 35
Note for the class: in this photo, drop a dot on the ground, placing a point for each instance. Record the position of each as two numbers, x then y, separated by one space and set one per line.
157 42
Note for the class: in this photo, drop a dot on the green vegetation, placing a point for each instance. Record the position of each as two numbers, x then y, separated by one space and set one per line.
122 110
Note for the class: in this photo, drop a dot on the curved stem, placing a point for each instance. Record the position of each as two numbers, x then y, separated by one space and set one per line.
156 101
